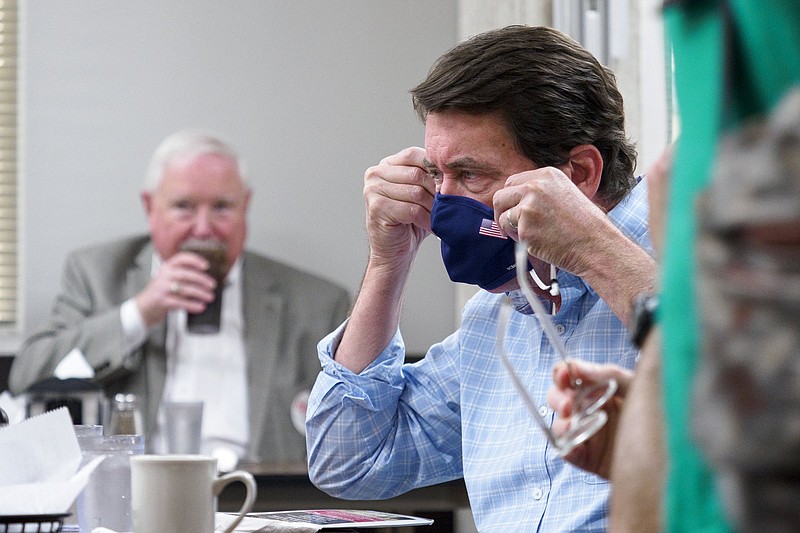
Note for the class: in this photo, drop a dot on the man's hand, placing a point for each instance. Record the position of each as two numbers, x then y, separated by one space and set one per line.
561 223
596 454
181 283
557 221
398 194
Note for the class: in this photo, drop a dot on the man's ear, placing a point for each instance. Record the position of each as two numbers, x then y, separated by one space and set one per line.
147 201
247 196
586 168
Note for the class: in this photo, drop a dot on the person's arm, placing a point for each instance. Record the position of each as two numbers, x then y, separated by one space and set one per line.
388 429
618 269
399 195
75 322
630 449
579 237
639 463
86 314
639 467
563 221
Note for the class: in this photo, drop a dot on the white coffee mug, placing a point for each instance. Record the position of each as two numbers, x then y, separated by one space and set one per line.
178 493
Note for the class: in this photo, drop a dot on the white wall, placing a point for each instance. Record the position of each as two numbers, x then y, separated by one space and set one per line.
311 93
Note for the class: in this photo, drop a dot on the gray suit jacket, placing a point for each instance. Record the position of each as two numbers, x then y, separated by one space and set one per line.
286 312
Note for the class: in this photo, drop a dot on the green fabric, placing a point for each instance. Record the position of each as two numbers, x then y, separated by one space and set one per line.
767 61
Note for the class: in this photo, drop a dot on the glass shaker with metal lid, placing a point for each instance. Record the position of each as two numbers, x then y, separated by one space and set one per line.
126 416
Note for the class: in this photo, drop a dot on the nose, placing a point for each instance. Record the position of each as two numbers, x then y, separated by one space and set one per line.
202 226
448 186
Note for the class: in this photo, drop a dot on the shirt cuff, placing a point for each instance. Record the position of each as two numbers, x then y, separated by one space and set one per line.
133 327
379 377
383 366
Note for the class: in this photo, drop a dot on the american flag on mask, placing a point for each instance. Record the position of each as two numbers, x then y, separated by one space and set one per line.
490 228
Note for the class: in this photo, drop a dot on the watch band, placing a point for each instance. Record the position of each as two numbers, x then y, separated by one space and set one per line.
645 307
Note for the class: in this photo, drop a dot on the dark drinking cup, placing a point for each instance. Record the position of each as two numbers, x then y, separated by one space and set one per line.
215 253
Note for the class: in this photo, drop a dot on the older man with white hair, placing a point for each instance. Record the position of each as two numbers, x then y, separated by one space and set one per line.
123 307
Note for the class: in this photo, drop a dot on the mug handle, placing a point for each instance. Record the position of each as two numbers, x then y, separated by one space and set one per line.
250 484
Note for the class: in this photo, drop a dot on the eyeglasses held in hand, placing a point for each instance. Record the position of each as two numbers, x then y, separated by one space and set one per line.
587 416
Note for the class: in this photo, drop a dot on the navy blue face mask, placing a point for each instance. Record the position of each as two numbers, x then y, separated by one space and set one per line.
474 249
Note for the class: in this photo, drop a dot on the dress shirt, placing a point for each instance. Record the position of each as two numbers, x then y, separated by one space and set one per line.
455 413
205 367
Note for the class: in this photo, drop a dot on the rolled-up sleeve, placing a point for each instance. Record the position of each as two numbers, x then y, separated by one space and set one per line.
371 435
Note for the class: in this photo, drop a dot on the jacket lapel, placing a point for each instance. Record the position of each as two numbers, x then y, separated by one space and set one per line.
263 316
156 362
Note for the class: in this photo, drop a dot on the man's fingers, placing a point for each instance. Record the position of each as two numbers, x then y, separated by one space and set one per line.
412 156
564 375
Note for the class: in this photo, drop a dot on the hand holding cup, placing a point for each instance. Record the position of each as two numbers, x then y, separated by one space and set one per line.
208 321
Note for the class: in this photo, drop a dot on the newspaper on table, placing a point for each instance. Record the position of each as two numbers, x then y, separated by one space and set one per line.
311 521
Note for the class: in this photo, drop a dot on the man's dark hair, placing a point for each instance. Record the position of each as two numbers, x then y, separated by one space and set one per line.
551 93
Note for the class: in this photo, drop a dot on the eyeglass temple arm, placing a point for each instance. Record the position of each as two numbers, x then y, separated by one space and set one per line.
502 322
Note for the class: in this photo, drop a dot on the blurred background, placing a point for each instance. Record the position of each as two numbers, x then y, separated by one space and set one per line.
311 92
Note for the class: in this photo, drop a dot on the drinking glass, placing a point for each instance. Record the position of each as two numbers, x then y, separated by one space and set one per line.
87 437
183 424
215 253
106 500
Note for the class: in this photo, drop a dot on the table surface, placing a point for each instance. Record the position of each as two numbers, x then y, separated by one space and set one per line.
287 487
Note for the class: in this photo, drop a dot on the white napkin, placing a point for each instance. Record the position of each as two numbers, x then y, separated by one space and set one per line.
39 460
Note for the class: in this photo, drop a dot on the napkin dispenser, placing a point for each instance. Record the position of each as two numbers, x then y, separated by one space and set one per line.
83 399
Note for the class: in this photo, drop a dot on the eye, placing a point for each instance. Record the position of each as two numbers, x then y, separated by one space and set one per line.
223 205
435 174
182 205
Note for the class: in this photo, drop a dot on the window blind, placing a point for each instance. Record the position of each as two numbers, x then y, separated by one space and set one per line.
8 164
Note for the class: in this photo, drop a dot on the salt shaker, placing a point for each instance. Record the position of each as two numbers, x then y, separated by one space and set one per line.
126 416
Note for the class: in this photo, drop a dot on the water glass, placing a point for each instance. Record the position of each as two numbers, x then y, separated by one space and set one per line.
106 500
84 435
183 423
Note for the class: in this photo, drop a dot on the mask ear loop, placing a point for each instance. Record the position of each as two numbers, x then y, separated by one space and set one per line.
546 322
552 289
555 290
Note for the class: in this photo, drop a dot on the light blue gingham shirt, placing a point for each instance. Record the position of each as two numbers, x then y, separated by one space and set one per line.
455 413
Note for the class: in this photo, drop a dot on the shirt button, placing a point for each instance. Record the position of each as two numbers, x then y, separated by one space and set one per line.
543 410
560 329
537 493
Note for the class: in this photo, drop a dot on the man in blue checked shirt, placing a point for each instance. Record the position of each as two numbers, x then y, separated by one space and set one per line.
524 129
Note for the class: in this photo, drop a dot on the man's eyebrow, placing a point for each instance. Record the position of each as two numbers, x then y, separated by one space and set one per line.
462 162
467 162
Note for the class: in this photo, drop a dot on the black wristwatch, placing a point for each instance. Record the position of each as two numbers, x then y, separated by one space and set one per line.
645 307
